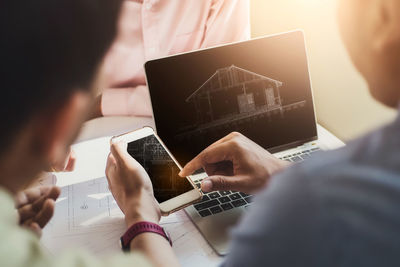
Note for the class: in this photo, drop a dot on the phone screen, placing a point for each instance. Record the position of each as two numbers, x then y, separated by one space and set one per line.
161 168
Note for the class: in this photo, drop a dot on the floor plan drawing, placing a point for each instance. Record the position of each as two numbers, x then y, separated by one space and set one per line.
85 207
87 217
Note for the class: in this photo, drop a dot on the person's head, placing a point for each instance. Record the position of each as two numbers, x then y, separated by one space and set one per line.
371 32
50 52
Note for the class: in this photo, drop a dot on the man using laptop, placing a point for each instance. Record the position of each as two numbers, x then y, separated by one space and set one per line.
338 209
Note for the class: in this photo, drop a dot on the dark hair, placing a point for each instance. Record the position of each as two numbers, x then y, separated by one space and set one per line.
48 49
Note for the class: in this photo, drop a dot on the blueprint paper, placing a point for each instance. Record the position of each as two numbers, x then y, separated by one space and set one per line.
87 216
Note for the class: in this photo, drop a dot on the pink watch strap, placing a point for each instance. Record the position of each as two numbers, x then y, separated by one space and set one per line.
139 228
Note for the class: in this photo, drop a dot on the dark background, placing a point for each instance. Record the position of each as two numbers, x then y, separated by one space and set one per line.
283 57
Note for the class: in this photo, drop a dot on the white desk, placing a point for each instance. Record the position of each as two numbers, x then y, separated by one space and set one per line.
92 149
110 126
116 125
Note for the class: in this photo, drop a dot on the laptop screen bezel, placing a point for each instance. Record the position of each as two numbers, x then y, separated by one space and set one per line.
273 149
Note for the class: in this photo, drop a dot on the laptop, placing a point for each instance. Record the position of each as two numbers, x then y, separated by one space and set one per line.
260 88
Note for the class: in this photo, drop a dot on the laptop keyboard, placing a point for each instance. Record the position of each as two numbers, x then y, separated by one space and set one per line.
300 156
220 201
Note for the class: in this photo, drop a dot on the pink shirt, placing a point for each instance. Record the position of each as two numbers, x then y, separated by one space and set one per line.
151 29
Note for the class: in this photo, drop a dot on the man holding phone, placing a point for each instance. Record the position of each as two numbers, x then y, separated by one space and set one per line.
51 53
339 209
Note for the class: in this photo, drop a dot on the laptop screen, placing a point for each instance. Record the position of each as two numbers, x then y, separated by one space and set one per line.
260 88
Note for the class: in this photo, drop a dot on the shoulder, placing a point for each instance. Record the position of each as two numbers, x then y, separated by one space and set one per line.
359 176
370 160
340 202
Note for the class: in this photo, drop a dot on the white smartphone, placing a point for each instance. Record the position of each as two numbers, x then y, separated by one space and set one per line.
170 190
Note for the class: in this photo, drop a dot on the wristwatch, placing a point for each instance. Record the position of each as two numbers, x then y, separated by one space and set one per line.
140 228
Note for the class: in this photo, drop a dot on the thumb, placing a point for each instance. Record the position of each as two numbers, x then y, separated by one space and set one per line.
220 182
119 150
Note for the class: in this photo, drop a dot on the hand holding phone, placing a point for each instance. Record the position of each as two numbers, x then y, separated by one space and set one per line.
171 191
131 186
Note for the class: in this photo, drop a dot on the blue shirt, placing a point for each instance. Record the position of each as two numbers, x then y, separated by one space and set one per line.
340 208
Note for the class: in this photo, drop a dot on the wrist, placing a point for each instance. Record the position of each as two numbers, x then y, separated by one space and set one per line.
284 164
132 218
136 211
139 231
279 166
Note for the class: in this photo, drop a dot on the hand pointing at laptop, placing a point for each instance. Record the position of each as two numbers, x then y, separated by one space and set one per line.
235 163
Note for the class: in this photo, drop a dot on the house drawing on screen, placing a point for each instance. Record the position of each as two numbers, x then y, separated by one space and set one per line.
233 97
234 91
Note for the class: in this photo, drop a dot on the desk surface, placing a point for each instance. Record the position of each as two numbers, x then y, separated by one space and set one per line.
189 245
110 126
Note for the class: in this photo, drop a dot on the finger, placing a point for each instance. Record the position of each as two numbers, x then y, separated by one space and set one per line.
120 153
54 193
31 195
212 169
111 162
224 183
45 214
122 158
220 168
110 166
25 213
211 155
225 139
35 228
21 199
30 210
